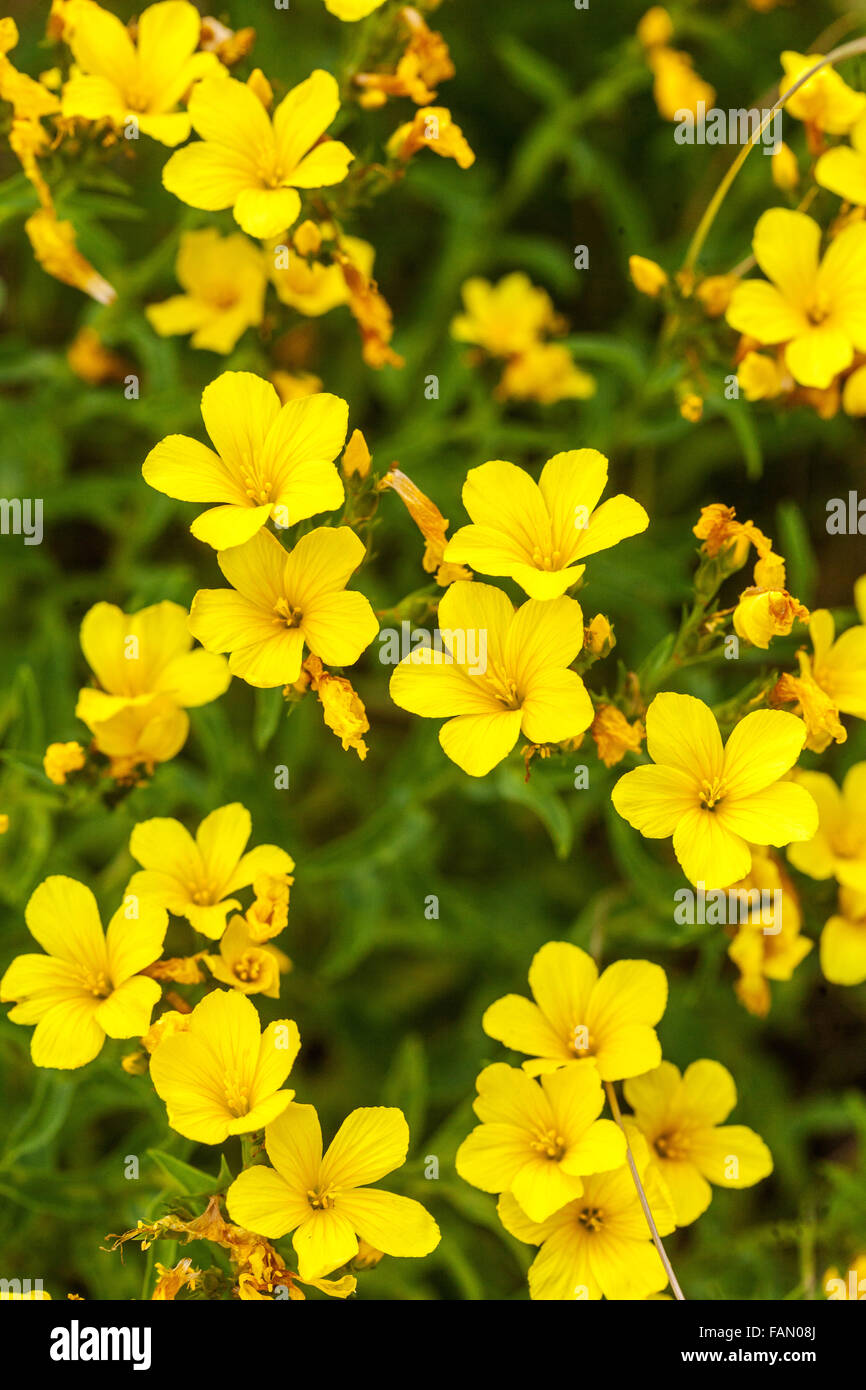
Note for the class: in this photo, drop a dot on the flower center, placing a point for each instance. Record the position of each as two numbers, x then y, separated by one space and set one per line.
550 1144
550 560
712 792
249 967
257 489
321 1201
503 686
287 613
591 1218
237 1093
98 984
671 1146
581 1041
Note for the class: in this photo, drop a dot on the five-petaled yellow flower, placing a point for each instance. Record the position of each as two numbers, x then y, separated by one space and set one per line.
682 1118
271 460
252 162
577 1013
497 673
599 1245
222 1075
838 847
87 987
539 1140
326 1200
716 800
195 878
224 279
137 84
282 600
537 533
813 305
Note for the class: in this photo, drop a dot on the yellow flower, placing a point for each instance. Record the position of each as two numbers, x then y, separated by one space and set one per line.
837 849
852 1286
430 522
577 1014
716 800
434 129
195 878
224 279
677 87
270 460
614 736
681 1117
812 704
655 27
252 162
356 458
692 408
646 276
351 10
270 912
784 168
168 1022
148 677
61 759
292 385
536 533
843 940
538 1140
87 987
714 293
245 964
90 360
718 531
497 673
546 373
118 81
598 637
760 377
54 247
424 63
812 306
171 1282
838 664
767 946
282 600
342 708
767 612
313 287
825 101
223 1075
506 318
598 1246
326 1201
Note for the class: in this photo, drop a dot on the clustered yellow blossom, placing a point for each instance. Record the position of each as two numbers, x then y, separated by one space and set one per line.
676 85
511 320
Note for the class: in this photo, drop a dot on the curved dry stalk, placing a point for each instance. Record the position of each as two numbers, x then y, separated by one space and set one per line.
845 50
657 1240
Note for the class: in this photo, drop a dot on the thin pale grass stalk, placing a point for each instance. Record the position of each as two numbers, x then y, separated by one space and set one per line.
657 1240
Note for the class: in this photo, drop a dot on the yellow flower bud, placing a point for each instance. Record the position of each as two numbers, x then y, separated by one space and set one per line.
646 275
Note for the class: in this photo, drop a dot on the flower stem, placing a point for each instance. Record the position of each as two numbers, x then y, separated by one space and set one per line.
657 1240
845 50
246 1149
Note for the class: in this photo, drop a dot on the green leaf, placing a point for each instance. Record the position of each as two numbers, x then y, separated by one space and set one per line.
193 1181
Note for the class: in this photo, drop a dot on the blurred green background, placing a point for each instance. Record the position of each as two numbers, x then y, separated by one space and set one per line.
571 151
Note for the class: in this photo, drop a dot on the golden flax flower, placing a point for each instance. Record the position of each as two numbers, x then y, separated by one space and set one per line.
223 1074
269 460
224 281
326 1200
87 986
195 878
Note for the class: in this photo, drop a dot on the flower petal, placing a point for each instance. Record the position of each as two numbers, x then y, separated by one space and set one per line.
762 748
371 1142
395 1225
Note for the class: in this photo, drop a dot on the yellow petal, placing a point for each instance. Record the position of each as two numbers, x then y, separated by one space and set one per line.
229 113
556 706
762 748
775 816
843 951
183 468
338 627
299 454
321 563
682 733
208 176
478 742
709 853
492 1156
615 520
714 1149
279 1046
786 246
134 942
815 357
303 115
520 1025
167 846
221 840
63 917
261 1200
101 44
127 1010
654 799
425 682
543 635
266 212
324 1241
68 1035
763 312
194 679
395 1225
324 166
505 498
371 1142
843 171
562 978
294 1145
